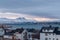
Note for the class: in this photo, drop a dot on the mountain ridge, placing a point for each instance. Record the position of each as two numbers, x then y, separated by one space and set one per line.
17 20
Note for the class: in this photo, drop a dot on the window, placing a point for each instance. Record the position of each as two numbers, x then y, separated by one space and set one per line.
46 34
46 38
49 33
49 38
53 34
53 38
57 39
29 36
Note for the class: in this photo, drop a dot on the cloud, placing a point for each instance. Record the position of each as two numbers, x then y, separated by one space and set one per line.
10 15
38 8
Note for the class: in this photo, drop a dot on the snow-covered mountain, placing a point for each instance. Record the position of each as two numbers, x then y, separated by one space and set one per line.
17 20
21 20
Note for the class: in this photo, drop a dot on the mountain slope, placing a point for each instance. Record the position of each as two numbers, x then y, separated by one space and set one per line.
17 20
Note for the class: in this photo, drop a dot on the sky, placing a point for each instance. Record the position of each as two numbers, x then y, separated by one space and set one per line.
40 10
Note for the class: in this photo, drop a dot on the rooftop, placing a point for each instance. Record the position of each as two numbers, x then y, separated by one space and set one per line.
49 29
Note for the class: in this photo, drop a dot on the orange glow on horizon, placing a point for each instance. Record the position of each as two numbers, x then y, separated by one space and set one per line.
44 19
30 17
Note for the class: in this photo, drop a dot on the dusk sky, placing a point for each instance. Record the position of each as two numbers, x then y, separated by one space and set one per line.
40 10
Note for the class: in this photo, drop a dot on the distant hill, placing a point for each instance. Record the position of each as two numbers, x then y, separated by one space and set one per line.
17 20
22 20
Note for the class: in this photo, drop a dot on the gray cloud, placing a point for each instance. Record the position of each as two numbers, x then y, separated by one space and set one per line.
41 8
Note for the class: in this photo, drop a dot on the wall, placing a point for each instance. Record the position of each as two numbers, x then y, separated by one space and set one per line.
52 36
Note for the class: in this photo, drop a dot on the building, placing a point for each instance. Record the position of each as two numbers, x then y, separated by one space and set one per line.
32 34
20 34
57 33
9 35
1 33
36 36
25 34
50 33
17 34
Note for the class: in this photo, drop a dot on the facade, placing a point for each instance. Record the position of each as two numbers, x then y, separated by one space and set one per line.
36 36
1 33
21 34
25 34
33 34
18 36
50 33
8 37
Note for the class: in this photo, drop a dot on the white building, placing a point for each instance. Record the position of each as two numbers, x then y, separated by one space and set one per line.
8 36
21 34
50 33
1 31
18 36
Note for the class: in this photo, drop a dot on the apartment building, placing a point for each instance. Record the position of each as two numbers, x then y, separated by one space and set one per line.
50 33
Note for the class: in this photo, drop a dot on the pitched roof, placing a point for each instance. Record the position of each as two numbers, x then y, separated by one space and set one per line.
57 31
19 30
14 31
32 30
47 28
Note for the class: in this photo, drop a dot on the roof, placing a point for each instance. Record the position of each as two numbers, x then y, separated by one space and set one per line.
8 33
14 31
47 28
32 30
57 31
19 30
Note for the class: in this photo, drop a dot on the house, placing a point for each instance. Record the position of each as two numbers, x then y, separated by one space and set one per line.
8 35
25 34
50 33
57 33
33 34
19 34
14 34
1 33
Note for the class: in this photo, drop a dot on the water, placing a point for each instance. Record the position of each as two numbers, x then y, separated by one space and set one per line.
35 26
